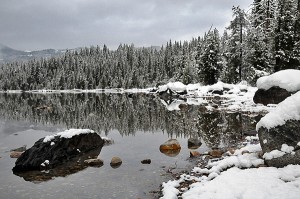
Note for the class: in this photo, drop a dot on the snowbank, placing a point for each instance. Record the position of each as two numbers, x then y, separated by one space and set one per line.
289 109
225 179
68 134
286 79
261 183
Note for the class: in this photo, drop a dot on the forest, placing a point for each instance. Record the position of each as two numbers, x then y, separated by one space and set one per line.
260 41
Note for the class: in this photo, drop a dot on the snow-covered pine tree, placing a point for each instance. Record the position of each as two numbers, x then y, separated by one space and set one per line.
235 46
285 35
259 41
208 58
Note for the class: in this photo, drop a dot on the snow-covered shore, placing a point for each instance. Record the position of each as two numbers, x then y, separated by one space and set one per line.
233 97
239 175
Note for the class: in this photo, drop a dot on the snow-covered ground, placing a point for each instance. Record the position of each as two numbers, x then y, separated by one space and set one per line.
237 176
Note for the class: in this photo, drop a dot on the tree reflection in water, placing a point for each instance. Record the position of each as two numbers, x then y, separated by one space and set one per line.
139 112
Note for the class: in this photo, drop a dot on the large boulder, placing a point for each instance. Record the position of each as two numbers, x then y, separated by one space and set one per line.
279 133
59 149
275 88
273 95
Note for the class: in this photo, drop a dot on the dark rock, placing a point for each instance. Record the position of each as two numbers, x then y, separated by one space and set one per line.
194 143
274 138
146 161
183 107
202 108
273 95
64 150
217 92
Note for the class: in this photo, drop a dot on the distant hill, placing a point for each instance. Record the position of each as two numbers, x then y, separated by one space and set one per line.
8 54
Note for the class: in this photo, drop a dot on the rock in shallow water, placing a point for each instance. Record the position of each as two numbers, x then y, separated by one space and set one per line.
58 151
170 148
115 162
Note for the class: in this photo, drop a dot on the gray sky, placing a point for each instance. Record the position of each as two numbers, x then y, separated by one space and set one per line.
41 24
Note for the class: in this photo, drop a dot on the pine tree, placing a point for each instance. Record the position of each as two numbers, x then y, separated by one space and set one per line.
235 52
284 35
208 58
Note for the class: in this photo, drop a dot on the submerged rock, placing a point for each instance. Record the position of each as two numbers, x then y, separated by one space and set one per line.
58 150
94 162
170 148
15 154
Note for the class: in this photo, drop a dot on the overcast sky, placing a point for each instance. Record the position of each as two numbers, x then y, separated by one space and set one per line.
58 24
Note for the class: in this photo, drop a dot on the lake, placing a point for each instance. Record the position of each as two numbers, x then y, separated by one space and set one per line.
137 123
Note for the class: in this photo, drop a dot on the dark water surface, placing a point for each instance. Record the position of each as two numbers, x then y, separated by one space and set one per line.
138 124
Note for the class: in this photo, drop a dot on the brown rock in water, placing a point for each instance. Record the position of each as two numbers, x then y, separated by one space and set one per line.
15 154
146 161
216 153
115 162
170 148
194 154
94 162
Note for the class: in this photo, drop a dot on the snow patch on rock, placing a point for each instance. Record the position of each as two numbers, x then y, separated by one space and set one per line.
68 134
286 79
289 109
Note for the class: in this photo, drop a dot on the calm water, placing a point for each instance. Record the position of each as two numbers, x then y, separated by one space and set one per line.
138 125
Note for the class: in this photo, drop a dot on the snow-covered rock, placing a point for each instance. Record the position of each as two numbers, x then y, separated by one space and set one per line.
68 145
279 129
286 79
275 88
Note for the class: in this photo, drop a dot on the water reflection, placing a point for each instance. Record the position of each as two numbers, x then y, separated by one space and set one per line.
139 112
72 166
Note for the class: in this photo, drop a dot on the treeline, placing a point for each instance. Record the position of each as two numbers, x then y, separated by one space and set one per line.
265 40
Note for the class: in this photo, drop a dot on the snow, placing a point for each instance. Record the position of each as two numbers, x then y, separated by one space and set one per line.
286 79
235 178
289 109
68 134
273 154
261 183
285 149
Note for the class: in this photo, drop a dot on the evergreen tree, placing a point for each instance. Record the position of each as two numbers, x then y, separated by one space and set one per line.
208 58
284 35
235 46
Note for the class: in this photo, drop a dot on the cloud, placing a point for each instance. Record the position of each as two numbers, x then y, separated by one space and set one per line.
31 24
